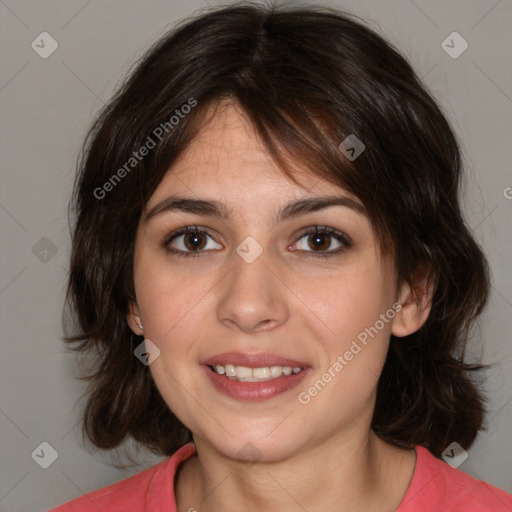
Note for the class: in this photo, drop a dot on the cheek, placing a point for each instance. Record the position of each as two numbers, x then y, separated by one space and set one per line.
355 349
354 353
171 301
349 303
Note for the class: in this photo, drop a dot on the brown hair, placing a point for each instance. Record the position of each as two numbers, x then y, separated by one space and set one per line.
307 77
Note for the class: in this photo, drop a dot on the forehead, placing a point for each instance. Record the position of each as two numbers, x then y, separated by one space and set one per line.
228 158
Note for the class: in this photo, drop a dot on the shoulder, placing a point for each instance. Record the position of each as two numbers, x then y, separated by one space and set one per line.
147 490
437 486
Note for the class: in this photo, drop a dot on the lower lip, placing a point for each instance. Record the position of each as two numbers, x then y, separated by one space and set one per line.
254 391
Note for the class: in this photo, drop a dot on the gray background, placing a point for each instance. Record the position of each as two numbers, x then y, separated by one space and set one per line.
47 105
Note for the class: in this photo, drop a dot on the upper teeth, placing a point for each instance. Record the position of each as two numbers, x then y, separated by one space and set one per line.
255 374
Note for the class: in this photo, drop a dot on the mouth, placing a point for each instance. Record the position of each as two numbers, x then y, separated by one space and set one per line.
253 376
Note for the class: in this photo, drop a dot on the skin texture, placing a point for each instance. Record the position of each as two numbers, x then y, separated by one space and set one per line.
288 302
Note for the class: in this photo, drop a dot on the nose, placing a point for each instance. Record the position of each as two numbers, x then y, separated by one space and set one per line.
253 298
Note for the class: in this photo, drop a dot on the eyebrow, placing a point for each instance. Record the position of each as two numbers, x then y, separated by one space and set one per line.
213 208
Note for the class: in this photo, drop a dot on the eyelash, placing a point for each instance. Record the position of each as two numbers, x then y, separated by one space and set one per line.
338 235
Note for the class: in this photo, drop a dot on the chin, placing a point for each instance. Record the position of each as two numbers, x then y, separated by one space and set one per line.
256 446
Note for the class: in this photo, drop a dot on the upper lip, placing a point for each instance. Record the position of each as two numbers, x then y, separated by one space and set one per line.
254 360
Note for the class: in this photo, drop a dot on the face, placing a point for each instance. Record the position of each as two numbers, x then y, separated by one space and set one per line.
258 291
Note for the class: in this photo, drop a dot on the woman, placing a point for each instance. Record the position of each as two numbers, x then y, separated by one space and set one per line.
271 260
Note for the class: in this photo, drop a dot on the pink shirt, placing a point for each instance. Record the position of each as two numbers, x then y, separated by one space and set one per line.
435 486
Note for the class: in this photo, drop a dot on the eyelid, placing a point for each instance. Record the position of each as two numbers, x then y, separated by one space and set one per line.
327 229
186 229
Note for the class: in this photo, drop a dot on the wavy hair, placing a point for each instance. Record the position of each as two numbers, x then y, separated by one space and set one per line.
307 77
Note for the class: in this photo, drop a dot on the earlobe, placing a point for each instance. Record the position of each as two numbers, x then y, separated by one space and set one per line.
133 318
416 305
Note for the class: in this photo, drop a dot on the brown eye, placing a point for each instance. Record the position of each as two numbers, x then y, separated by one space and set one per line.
194 241
189 240
321 240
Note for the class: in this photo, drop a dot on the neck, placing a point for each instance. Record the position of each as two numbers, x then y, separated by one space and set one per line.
345 472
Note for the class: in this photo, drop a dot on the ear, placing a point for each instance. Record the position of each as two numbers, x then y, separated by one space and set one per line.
416 305
134 319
